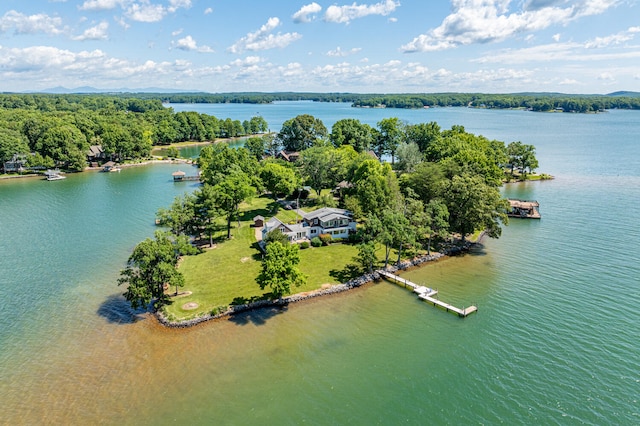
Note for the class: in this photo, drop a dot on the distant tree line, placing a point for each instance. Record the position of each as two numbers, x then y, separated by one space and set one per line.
57 130
535 102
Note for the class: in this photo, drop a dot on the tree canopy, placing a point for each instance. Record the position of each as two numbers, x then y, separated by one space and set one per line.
280 270
302 132
151 267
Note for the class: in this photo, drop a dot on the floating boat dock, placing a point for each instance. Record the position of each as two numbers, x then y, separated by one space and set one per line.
526 209
428 294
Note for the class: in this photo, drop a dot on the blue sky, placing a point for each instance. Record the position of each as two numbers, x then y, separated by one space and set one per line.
385 46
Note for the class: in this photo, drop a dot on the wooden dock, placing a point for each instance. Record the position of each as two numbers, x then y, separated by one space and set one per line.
428 294
180 176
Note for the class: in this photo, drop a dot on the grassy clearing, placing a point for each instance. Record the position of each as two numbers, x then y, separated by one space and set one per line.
226 274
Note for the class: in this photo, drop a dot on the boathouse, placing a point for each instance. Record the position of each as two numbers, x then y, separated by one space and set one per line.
524 209
178 176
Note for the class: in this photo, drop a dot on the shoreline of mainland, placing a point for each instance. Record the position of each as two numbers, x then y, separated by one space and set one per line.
153 160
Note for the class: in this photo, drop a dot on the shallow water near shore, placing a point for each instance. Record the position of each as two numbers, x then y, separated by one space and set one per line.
555 340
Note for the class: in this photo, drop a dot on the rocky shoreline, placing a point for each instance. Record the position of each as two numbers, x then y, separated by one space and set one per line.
334 289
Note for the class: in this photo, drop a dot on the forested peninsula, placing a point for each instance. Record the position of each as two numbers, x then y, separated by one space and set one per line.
39 131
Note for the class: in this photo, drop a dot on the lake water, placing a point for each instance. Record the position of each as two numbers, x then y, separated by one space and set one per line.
555 340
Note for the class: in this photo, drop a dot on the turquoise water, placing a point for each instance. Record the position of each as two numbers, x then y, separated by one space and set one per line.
555 340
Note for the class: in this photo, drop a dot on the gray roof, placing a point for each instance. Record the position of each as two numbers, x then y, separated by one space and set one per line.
325 212
333 216
95 150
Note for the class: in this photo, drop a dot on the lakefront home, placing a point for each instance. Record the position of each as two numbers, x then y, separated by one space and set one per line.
338 223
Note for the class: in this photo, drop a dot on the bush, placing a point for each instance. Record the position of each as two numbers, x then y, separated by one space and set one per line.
325 238
316 242
354 238
304 245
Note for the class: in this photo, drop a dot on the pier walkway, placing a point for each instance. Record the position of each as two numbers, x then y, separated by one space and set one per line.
427 294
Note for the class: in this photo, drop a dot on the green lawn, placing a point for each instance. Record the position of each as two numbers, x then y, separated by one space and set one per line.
226 273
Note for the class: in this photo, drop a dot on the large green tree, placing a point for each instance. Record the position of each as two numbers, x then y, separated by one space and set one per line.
409 156
12 142
474 205
280 269
350 131
522 156
180 217
425 181
436 221
423 134
389 137
374 186
151 267
302 132
232 190
217 160
279 179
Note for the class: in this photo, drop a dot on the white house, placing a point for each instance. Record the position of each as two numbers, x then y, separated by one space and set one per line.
336 222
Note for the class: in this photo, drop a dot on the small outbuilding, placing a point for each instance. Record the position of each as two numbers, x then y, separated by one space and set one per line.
258 221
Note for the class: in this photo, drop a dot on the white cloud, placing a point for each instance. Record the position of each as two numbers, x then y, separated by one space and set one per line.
557 52
176 32
568 82
208 11
346 14
42 58
606 76
98 32
614 39
556 37
31 24
174 5
189 44
306 13
262 39
341 53
140 10
101 4
146 12
484 21
249 61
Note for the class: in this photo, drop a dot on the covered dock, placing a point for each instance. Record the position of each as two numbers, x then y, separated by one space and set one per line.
526 209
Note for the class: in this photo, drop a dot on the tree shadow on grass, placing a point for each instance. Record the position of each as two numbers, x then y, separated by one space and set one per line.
345 274
258 316
116 310
268 211
259 254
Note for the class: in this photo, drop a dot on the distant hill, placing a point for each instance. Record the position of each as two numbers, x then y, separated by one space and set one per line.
625 93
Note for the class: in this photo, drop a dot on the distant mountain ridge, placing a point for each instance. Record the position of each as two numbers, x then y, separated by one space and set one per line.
59 90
